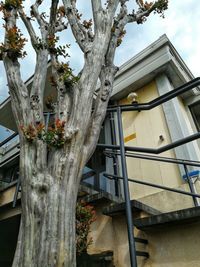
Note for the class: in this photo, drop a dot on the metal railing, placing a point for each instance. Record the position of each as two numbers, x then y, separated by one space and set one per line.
125 151
122 151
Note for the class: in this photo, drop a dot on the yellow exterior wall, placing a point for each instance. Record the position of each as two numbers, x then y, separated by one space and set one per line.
147 127
110 234
175 246
172 246
7 196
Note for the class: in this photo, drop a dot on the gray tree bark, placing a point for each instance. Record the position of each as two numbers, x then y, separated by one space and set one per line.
50 177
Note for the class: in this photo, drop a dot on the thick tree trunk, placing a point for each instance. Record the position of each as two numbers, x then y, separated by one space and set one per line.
47 232
50 179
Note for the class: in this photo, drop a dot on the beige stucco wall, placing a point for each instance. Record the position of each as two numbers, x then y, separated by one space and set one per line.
101 233
148 126
172 246
110 234
175 246
7 196
166 201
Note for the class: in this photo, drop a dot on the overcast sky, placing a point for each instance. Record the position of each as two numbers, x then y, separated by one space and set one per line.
181 24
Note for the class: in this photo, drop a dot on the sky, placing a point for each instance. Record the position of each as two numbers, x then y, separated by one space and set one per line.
181 25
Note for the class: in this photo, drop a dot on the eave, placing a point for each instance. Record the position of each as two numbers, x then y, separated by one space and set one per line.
159 57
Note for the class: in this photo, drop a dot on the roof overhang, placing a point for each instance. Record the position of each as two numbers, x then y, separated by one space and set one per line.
6 115
159 57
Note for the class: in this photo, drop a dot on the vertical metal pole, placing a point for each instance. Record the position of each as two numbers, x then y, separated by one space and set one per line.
47 121
16 193
115 159
191 186
130 228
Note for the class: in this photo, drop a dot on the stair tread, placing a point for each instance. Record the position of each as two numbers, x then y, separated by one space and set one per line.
189 215
135 205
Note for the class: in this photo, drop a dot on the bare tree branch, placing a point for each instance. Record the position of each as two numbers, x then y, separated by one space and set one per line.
61 26
145 9
112 5
100 109
53 16
40 19
97 12
18 90
38 85
77 28
140 3
29 26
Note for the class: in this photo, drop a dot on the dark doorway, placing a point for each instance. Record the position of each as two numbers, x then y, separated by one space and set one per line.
95 260
9 229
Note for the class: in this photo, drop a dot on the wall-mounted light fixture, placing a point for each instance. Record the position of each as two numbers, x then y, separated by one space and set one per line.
133 98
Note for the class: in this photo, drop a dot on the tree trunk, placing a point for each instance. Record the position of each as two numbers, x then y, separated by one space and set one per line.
47 232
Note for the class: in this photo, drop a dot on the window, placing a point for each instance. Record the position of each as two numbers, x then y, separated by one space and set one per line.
99 163
96 166
195 110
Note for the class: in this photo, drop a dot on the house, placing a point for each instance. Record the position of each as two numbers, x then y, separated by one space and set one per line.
156 130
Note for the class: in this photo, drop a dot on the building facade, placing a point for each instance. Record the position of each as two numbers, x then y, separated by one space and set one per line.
160 124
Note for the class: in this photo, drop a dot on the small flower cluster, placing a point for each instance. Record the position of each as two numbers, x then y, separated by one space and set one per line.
14 44
121 35
60 50
66 75
87 24
85 216
161 6
50 44
54 136
30 132
10 4
61 11
49 101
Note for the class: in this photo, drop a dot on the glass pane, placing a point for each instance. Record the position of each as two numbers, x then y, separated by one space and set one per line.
195 110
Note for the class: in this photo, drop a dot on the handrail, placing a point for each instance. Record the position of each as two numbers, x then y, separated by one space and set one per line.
155 150
159 100
112 176
108 153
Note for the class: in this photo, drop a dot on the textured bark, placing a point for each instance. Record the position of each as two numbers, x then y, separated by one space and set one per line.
47 232
50 177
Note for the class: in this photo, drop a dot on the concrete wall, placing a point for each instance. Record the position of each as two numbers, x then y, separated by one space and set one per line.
110 234
175 246
147 127
7 195
166 201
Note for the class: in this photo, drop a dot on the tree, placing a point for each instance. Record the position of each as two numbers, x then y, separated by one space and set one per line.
52 160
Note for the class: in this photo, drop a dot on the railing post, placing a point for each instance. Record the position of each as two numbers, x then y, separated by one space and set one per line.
191 186
47 121
130 228
16 193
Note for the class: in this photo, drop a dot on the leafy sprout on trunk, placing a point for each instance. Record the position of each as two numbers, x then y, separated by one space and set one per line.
85 216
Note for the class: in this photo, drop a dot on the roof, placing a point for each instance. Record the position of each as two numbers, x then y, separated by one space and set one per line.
159 57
